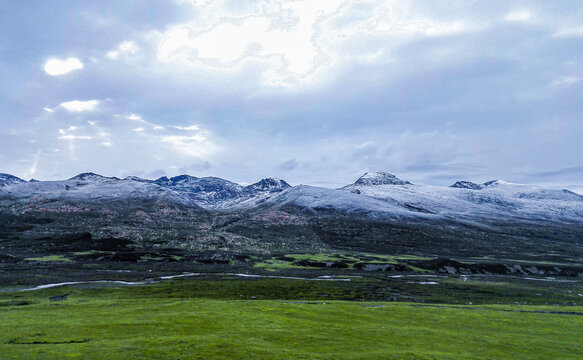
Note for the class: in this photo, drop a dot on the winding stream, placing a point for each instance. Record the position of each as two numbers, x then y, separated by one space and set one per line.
169 277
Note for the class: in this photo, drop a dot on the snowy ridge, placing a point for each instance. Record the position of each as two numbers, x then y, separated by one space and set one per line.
316 199
92 177
91 189
494 199
379 193
207 192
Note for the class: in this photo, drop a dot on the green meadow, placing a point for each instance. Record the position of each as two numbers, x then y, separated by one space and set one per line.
188 319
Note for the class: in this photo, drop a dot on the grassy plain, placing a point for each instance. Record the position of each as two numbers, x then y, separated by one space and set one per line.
232 318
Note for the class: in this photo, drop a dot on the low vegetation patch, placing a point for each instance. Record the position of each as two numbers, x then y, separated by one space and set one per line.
49 258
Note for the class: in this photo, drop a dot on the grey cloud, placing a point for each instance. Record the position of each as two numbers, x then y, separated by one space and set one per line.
288 165
152 175
195 167
565 171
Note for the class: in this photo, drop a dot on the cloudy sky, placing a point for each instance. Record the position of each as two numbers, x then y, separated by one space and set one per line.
315 92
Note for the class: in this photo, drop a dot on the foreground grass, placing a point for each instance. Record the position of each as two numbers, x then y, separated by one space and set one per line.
134 323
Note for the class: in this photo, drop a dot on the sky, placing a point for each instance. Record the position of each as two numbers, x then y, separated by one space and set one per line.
314 92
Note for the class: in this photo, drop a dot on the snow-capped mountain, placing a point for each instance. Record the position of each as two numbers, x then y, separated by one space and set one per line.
379 178
375 192
92 177
89 187
268 184
138 179
217 193
464 199
317 199
525 191
209 192
7 179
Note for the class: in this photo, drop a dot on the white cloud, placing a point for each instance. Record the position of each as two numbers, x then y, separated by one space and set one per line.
518 16
569 32
280 35
126 48
566 80
134 117
71 128
129 47
55 67
395 25
296 43
75 137
188 128
183 139
48 109
192 146
79 106
139 119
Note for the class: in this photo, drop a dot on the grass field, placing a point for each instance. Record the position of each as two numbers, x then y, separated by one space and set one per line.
182 319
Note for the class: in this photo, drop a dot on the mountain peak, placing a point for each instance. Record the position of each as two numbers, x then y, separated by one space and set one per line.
163 181
91 176
7 179
492 182
473 186
184 178
137 179
269 184
466 185
380 178
179 180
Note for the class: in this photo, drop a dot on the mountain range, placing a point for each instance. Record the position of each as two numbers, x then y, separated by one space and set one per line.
380 192
377 212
